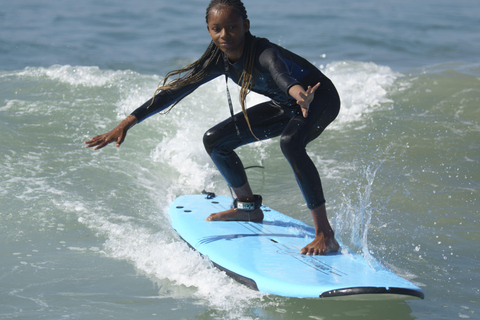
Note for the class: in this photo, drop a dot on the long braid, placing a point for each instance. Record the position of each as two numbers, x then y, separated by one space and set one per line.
246 80
210 56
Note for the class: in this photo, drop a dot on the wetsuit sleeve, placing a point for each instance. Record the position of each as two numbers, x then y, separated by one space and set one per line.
166 98
271 59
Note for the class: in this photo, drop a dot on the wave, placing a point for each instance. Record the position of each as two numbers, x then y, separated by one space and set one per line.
362 86
122 194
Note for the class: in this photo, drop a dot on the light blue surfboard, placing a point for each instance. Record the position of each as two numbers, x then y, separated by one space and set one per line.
265 256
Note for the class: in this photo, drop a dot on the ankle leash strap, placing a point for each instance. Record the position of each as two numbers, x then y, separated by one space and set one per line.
248 206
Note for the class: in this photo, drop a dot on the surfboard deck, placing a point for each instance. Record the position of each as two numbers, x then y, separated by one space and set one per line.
265 256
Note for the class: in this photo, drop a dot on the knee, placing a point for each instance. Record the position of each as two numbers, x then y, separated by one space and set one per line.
289 146
209 141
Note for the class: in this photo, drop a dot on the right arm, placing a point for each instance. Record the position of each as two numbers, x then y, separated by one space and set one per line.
118 134
163 100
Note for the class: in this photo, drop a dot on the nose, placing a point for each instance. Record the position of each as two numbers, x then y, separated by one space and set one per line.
223 33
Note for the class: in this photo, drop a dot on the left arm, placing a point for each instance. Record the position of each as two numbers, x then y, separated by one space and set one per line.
272 60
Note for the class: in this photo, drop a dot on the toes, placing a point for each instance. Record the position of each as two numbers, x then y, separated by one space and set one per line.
210 217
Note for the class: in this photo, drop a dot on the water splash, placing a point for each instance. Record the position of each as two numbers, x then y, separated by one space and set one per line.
354 215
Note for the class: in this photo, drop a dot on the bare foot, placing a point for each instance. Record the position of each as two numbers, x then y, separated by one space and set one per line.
237 215
321 245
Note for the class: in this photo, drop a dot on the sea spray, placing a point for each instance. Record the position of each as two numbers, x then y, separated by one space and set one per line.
354 215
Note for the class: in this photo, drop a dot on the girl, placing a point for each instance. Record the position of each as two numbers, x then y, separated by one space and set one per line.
299 110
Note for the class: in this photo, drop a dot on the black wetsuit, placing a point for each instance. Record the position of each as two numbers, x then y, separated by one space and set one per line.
275 71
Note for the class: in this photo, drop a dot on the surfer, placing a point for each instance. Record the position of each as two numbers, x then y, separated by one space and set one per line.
303 103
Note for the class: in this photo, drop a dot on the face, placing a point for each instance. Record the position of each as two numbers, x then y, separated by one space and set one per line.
227 29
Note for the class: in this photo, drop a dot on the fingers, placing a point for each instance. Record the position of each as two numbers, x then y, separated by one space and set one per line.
120 140
98 142
305 110
116 135
304 105
101 145
92 142
310 91
307 98
303 95
315 87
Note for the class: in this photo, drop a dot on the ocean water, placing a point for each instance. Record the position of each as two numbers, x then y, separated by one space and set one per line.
84 234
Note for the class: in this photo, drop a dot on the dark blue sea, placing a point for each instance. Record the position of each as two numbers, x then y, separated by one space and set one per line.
84 234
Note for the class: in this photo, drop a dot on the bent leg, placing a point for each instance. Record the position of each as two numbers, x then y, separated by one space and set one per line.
298 133
220 141
294 139
266 121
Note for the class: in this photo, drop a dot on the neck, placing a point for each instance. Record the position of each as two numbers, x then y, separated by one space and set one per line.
235 56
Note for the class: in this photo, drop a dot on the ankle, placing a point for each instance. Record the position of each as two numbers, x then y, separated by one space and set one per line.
249 205
328 233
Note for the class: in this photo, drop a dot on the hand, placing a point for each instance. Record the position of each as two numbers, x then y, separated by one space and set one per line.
304 98
117 134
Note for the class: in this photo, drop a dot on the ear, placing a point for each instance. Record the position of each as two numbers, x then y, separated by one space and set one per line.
247 25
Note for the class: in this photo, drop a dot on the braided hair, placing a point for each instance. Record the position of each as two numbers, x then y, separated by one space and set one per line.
212 55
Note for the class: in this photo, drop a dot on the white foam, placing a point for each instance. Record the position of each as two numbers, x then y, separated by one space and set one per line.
362 86
164 258
156 251
78 75
11 104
